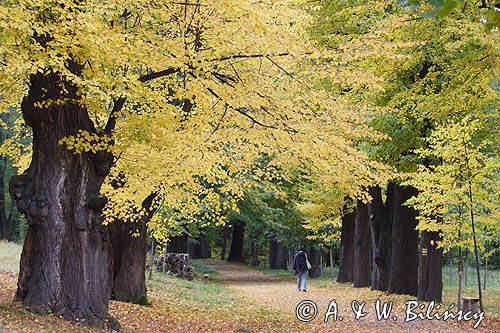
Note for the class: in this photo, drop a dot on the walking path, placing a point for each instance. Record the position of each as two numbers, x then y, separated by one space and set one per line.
281 296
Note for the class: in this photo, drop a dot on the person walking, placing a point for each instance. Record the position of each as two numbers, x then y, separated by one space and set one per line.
301 265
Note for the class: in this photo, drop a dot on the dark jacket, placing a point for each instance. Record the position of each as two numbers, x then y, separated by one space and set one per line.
299 262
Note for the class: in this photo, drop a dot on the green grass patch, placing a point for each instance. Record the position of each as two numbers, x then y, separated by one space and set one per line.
202 268
195 292
281 273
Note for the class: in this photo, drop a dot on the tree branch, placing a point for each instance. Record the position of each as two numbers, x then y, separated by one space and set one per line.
249 56
117 107
156 75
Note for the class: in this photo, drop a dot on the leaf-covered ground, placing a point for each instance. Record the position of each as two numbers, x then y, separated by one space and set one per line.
237 299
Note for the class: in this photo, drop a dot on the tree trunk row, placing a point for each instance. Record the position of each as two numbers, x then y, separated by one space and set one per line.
380 247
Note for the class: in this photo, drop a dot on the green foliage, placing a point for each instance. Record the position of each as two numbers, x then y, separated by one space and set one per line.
439 9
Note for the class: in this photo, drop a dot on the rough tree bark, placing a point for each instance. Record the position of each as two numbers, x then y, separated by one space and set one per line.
381 234
346 253
404 251
129 247
236 251
430 274
315 259
362 247
64 264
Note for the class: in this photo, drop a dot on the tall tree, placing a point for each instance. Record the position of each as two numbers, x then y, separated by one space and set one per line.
91 100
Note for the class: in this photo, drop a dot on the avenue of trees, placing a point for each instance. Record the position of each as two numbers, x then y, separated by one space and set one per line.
366 131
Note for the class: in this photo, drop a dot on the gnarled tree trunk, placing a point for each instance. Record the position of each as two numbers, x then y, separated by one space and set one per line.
64 263
430 272
346 253
404 252
129 244
362 247
381 235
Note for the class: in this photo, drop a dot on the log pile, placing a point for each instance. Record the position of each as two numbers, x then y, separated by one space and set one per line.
176 263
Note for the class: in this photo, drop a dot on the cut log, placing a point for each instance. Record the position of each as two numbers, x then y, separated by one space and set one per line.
176 263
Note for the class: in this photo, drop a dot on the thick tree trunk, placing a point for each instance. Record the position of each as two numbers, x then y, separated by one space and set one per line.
316 262
179 244
381 233
404 251
236 251
362 247
64 263
255 253
281 257
129 244
4 221
430 273
273 252
346 255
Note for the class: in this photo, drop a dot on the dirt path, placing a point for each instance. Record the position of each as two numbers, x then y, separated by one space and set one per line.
281 296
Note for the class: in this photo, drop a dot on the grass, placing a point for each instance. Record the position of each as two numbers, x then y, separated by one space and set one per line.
209 294
202 268
10 254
